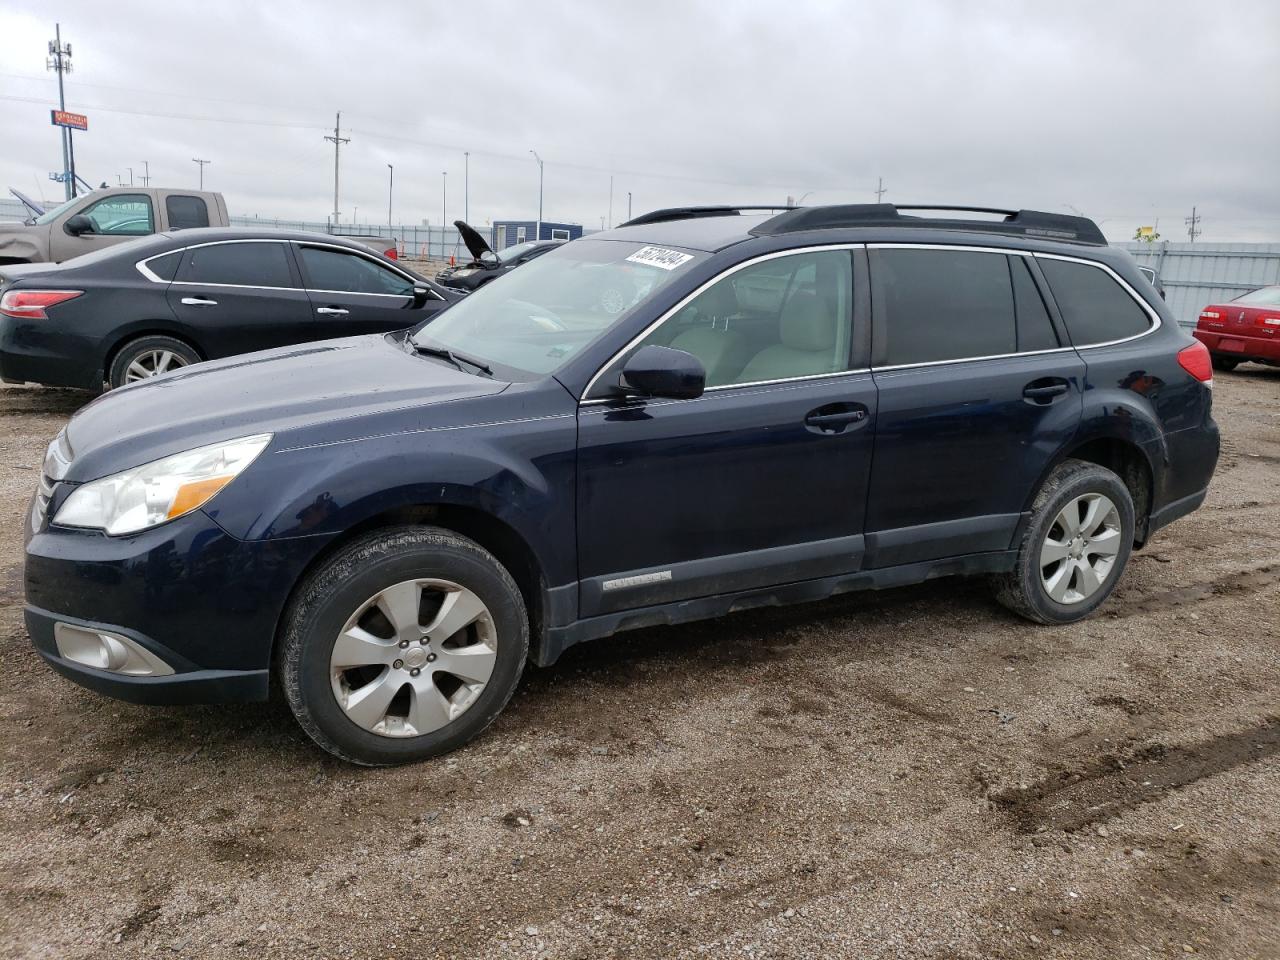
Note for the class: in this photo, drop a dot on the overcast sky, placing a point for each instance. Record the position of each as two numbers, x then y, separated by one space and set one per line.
1128 112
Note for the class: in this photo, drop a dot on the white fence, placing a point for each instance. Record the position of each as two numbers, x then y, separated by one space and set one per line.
1196 274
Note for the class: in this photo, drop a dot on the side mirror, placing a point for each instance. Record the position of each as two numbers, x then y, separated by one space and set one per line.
421 295
655 371
80 224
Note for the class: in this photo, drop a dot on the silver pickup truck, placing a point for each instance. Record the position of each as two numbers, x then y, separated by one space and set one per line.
114 214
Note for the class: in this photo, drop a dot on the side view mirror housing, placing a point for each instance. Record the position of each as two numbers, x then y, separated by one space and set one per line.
80 224
664 372
421 295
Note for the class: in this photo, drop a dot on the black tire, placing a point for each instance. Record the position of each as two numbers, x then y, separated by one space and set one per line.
1225 364
1022 589
143 346
336 590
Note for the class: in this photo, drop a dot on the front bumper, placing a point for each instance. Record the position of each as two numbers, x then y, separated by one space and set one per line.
202 601
1240 346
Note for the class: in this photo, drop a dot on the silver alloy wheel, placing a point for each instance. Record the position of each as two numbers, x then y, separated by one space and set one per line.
152 364
397 676
1080 549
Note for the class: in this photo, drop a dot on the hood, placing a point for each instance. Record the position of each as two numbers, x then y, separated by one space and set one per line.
313 393
471 237
36 208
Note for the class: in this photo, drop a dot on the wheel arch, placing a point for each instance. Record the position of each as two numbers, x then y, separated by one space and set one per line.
493 534
1124 457
148 328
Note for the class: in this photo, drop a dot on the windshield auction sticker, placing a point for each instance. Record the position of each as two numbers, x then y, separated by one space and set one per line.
660 257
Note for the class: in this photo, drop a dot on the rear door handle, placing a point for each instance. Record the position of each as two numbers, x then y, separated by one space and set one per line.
333 311
199 302
1045 391
835 417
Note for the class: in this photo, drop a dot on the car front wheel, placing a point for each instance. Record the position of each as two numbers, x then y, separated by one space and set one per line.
404 645
1074 548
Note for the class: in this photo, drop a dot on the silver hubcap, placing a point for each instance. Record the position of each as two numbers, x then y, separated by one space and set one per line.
413 658
1080 549
151 364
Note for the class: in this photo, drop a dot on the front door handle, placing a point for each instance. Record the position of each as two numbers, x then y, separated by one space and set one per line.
199 302
332 311
1045 390
835 417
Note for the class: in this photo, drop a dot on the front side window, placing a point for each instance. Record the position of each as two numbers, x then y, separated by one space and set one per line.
1094 307
124 215
344 272
186 212
777 319
240 264
542 315
934 305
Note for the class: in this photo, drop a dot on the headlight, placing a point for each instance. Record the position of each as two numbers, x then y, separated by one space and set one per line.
159 491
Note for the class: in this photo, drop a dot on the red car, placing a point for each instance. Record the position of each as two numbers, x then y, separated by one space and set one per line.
1246 328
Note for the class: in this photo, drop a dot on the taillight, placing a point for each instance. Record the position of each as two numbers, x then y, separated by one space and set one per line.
1196 361
1209 315
33 303
1269 321
391 254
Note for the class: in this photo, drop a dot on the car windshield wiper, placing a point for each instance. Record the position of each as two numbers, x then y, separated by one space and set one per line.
457 359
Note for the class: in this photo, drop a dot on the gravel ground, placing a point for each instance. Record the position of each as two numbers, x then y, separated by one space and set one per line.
912 773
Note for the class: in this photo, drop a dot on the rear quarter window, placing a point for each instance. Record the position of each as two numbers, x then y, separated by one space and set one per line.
1095 308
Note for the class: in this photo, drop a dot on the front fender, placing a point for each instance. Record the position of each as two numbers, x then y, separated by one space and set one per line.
24 245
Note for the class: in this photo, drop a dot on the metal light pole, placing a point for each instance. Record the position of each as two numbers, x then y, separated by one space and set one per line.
130 169
202 164
628 204
611 200
538 234
391 183
146 173
60 60
466 185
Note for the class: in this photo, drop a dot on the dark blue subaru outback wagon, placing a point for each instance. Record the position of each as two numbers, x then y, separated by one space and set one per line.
704 410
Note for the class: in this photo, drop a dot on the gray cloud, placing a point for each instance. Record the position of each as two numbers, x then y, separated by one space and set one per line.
1129 112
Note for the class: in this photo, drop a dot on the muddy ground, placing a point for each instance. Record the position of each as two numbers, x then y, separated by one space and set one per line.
913 773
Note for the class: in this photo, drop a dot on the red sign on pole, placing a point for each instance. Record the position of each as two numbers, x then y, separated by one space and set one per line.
61 118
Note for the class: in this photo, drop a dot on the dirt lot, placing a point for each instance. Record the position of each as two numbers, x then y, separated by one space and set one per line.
911 773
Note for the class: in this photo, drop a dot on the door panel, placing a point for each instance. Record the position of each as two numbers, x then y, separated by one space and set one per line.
116 218
734 490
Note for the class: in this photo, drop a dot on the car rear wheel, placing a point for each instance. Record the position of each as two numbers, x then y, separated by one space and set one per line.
1225 364
149 357
1075 546
404 645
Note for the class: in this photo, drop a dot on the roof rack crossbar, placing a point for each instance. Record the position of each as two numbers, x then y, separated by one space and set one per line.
689 213
1027 223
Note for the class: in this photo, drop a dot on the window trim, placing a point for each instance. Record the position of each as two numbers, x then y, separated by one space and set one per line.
698 291
1151 313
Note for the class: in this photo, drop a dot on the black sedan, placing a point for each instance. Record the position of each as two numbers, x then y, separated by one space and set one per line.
485 265
145 307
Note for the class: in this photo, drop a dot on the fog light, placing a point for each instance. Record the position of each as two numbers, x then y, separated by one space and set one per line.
107 651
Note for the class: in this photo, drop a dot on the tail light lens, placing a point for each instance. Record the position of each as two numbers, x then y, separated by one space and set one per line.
24 304
1210 315
391 254
1269 321
1196 361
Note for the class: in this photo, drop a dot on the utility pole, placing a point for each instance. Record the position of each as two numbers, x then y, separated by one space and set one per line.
611 201
466 185
202 163
337 140
444 205
1193 225
391 183
60 61
538 235
628 204
880 191
146 173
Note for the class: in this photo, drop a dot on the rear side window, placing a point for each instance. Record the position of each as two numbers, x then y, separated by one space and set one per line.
351 273
186 212
165 267
1095 308
239 264
933 305
1035 329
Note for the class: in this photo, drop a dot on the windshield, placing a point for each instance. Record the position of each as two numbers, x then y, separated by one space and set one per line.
535 319
50 215
1266 297
510 253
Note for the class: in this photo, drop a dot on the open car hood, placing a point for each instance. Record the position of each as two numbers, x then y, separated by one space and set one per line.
36 208
471 237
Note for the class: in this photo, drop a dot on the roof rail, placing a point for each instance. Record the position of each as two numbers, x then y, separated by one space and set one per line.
690 213
1028 223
